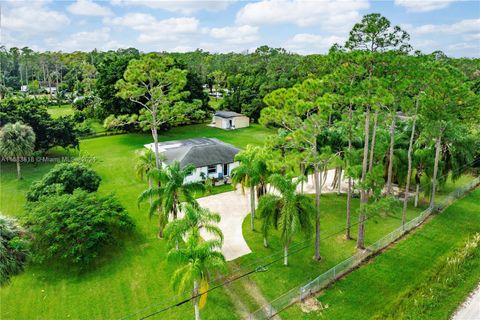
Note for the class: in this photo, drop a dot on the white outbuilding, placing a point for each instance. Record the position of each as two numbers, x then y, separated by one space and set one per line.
229 120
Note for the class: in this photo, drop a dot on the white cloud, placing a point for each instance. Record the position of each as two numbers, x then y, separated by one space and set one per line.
424 5
85 41
306 43
464 26
235 35
30 19
336 15
89 8
153 31
181 6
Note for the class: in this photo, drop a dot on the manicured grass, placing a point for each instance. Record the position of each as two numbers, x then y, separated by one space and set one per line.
60 111
334 249
127 279
374 287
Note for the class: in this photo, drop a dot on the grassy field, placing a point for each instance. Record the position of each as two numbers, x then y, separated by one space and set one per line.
279 279
60 111
136 276
377 286
128 279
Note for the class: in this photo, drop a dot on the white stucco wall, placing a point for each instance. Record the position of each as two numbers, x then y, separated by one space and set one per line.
197 174
237 122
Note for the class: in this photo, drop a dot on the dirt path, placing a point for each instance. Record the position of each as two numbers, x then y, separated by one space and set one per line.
242 310
255 293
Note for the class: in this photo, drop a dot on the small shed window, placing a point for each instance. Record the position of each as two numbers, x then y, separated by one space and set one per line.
212 169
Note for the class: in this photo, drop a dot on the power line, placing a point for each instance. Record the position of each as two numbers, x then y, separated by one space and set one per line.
257 269
261 267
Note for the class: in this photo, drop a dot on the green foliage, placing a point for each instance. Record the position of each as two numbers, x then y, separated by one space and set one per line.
13 249
48 132
169 191
196 260
111 68
194 219
289 212
64 178
374 33
75 228
16 140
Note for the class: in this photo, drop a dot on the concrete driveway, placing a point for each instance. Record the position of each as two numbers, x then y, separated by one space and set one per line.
470 310
233 207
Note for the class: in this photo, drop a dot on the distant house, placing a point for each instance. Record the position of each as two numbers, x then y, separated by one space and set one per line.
230 120
50 89
212 158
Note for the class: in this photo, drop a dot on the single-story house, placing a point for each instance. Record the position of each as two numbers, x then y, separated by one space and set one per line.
211 157
230 120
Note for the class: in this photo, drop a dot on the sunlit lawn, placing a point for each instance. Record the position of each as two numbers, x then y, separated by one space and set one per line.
278 279
60 111
125 280
376 286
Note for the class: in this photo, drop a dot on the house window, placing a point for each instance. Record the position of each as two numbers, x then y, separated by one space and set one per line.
212 169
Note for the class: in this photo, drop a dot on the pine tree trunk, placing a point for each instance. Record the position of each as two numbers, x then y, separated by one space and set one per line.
364 191
252 207
409 171
417 193
390 156
265 242
349 209
333 185
196 307
435 170
339 181
160 226
349 191
374 138
316 181
19 174
285 255
155 140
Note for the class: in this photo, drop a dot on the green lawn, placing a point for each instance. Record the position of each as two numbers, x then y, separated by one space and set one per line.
334 249
137 276
376 286
128 279
60 111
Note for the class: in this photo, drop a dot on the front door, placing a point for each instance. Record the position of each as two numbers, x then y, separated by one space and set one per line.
225 169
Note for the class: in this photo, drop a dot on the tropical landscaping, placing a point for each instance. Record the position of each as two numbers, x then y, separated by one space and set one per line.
340 150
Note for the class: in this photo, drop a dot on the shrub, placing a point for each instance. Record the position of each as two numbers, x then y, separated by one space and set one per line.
74 228
13 249
64 178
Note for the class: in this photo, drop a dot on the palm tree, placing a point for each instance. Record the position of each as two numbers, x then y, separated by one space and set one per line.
195 217
170 191
291 212
16 140
145 163
252 172
197 259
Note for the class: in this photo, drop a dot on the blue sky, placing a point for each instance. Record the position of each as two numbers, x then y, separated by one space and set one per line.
223 26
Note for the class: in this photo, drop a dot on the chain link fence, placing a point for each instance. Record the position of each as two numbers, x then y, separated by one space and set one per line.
302 292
